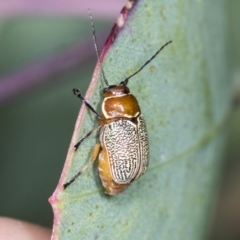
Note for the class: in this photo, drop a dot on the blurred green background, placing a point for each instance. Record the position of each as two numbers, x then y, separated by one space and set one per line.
36 125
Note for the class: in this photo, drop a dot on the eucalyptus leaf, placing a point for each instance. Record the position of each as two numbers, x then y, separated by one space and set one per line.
184 94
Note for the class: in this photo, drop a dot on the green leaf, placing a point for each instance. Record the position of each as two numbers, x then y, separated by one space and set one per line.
184 94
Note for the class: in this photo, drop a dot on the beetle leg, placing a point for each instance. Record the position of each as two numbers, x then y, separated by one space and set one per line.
76 146
79 95
94 155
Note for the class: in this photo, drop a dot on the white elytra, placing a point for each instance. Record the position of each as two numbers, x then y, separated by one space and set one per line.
127 148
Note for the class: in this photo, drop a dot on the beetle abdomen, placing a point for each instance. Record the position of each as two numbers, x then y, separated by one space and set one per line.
122 148
144 146
125 151
111 187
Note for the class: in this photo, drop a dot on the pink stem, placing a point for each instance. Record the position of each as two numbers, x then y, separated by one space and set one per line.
76 8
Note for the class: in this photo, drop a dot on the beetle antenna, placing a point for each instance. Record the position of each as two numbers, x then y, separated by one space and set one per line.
96 46
144 65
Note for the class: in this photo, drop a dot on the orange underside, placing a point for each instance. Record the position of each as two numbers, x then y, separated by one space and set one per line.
110 186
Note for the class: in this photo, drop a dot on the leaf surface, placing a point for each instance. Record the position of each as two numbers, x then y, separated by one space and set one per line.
184 94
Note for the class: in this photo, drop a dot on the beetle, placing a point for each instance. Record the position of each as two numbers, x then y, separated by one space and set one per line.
123 151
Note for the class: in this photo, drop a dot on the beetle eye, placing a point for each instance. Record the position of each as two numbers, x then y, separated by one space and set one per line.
105 89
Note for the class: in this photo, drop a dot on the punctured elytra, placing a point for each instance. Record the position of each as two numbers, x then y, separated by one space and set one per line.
123 151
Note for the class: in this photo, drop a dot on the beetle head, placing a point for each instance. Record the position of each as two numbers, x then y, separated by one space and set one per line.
115 90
